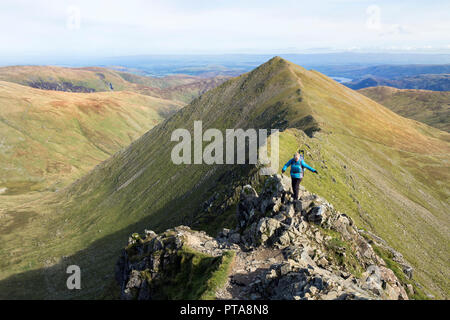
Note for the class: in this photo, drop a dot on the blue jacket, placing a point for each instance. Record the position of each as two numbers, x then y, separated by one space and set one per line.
297 167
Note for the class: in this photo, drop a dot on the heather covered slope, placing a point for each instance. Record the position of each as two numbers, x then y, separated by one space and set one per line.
51 138
430 107
182 88
64 79
387 172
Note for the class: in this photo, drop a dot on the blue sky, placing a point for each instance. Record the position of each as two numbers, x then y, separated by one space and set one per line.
114 28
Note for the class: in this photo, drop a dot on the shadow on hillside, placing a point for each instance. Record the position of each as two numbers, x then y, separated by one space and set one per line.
97 262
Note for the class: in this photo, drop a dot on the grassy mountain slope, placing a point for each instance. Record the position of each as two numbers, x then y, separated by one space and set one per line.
430 107
375 165
95 79
49 138
64 79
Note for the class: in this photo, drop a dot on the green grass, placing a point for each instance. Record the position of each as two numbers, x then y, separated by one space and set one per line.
342 253
430 107
397 269
49 139
377 201
180 88
218 277
387 172
194 276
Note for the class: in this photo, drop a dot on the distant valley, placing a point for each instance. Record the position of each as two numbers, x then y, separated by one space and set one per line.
57 123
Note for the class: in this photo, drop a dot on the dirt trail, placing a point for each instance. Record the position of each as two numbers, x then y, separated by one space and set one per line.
246 269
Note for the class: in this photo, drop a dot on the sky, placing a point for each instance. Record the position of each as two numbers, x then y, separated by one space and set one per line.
99 28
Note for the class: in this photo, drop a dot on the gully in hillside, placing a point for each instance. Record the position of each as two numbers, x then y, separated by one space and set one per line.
297 164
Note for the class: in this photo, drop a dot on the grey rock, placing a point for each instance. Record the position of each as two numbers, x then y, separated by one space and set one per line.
408 271
281 252
235 237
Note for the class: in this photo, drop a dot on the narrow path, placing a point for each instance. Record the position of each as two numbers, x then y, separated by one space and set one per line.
246 269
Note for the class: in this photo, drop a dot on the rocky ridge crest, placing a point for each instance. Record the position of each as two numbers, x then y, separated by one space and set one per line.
282 249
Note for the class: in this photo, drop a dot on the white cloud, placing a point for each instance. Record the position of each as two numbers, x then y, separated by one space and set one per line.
100 27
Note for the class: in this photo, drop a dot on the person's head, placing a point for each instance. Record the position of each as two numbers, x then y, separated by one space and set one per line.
296 156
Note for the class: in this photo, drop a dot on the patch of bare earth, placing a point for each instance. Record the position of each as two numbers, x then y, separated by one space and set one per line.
247 267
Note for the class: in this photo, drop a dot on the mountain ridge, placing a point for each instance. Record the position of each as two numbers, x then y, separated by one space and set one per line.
281 248
367 156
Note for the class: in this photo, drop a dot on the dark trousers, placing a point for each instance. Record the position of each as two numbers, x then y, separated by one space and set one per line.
295 186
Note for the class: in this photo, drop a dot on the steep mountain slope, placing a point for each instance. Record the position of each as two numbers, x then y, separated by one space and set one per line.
95 79
50 138
387 172
430 107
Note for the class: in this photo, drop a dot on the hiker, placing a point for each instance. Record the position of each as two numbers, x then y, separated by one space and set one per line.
297 164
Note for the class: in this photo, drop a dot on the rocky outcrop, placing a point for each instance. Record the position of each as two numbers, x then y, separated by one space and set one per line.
396 256
59 86
149 261
284 249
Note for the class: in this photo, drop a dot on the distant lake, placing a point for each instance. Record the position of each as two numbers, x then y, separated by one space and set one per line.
341 79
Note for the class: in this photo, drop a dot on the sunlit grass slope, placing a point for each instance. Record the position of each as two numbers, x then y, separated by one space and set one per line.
430 107
49 138
182 88
387 172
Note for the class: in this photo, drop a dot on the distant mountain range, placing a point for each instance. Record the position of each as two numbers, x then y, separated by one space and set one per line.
385 71
435 82
361 72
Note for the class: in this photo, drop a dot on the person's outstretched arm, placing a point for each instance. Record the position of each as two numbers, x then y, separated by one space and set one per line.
286 166
305 165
